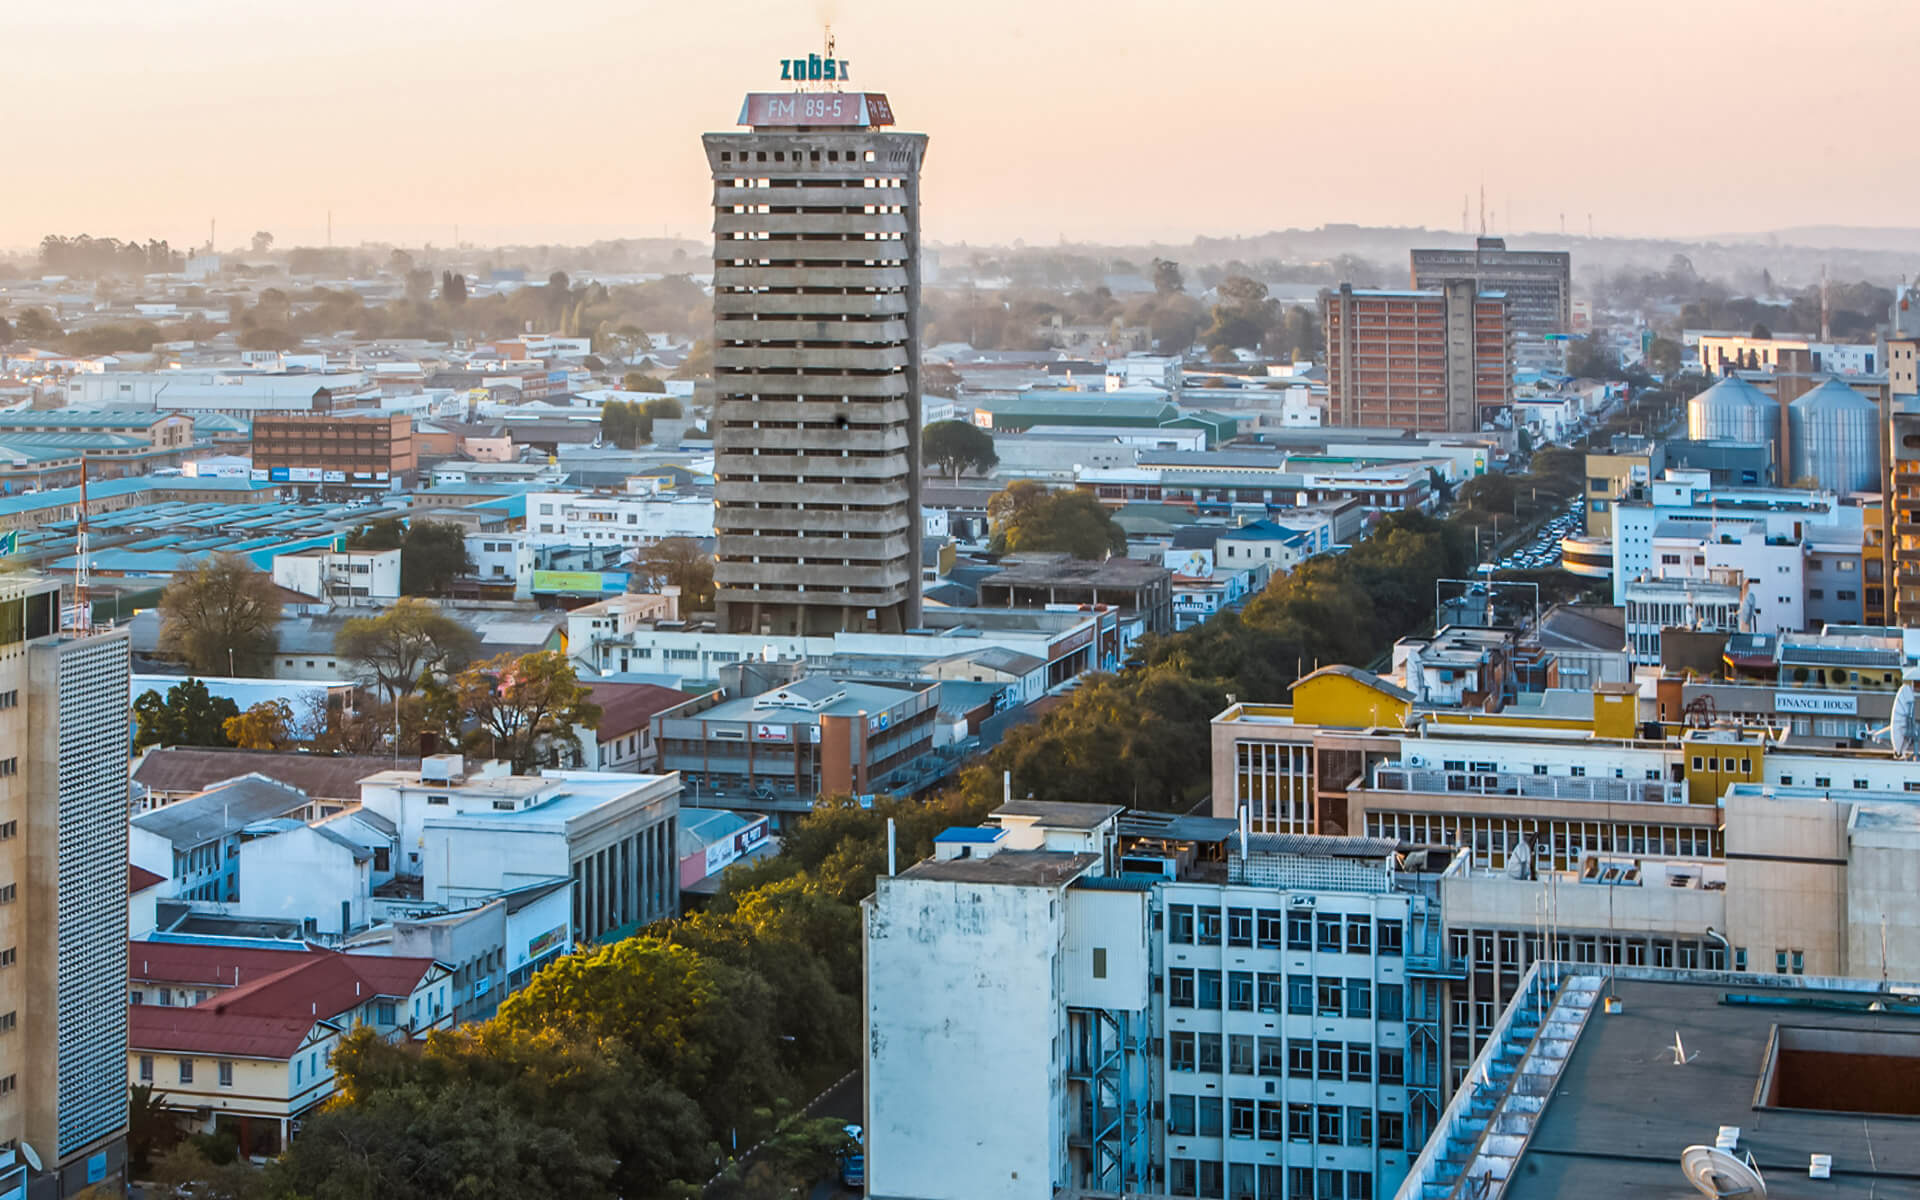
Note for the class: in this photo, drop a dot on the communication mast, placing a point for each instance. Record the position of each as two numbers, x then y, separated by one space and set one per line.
82 622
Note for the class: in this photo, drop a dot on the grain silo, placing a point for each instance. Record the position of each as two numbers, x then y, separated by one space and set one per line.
1834 438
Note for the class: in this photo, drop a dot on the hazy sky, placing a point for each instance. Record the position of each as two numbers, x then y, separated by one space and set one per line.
1083 119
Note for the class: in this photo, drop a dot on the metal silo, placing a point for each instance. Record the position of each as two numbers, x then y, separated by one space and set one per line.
1835 438
1734 410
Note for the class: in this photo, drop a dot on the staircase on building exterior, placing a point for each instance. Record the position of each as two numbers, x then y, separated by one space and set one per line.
1486 1127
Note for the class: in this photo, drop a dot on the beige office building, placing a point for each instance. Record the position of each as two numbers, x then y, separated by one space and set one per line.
63 892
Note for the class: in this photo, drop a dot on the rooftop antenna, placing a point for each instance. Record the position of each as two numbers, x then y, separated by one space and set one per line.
1826 311
82 603
1483 210
1680 1056
830 55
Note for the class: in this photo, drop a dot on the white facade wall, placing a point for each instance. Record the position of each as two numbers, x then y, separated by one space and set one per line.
462 864
1635 524
580 519
503 556
698 656
237 393
303 875
965 1068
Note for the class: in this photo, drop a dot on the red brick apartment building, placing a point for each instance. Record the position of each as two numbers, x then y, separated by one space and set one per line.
1433 360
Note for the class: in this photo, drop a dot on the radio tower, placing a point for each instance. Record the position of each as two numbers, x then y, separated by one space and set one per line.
82 602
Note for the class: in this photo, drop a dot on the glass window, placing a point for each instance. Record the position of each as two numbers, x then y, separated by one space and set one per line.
1392 1066
1180 989
1328 1061
1330 1001
1240 927
1391 1127
1272 1121
1359 1061
1180 924
1240 991
1212 1179
1327 1125
1359 1185
1300 1058
1270 992
1359 935
1240 1122
1209 1120
1180 1052
1299 931
1272 1056
1209 926
1270 926
1359 997
1209 1047
1180 1116
1300 1122
1240 1054
1389 936
1391 1004
1359 1127
1182 1179
1300 995
1329 927
1209 989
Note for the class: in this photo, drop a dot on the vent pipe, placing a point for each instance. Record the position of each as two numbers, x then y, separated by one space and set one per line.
890 847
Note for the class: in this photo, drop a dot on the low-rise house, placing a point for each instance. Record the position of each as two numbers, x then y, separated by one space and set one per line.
250 1058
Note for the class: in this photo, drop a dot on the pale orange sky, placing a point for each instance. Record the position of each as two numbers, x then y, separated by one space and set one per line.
1093 120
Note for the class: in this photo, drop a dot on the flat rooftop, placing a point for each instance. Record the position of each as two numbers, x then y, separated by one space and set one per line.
1060 814
1028 868
1623 1111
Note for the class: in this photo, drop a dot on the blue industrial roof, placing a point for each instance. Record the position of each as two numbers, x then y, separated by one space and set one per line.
968 835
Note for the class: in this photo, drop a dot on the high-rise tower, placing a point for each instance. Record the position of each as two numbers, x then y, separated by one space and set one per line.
63 891
816 361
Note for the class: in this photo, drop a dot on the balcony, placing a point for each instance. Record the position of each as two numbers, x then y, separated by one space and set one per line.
1440 782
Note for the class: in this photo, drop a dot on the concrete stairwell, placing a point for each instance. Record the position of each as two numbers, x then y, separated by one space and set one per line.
1488 1124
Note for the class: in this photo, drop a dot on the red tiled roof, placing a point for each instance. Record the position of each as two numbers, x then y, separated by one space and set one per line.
625 707
204 1031
139 879
324 984
223 966
322 776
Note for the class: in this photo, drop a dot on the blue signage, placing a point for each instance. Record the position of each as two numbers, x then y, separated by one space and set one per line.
813 69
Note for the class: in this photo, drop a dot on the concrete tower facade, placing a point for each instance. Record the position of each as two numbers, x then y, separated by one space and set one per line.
63 892
816 366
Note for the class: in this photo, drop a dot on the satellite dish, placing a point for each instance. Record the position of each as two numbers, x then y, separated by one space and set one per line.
33 1159
1717 1174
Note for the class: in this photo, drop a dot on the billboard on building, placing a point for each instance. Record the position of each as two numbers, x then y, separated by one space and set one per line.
304 474
575 582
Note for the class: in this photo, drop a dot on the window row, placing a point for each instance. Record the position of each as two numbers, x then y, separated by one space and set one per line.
1273 929
1274 1121
1190 1177
1302 995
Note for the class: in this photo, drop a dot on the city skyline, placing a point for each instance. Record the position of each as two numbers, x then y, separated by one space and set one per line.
515 133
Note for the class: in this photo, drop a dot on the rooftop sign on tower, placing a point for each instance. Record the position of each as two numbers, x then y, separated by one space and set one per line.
818 101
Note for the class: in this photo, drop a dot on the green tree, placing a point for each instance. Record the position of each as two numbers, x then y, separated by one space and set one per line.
524 710
221 617
1026 517
682 563
637 381
453 287
1242 315
409 639
388 533
432 555
152 1129
1166 277
189 715
957 447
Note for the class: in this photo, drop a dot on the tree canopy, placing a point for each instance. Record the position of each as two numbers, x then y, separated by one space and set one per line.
1028 517
523 709
188 715
958 446
396 646
221 617
683 563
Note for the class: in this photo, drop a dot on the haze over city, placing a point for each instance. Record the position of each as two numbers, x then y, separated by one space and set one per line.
1117 121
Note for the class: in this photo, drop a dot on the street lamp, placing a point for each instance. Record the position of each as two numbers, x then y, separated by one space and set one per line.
229 662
